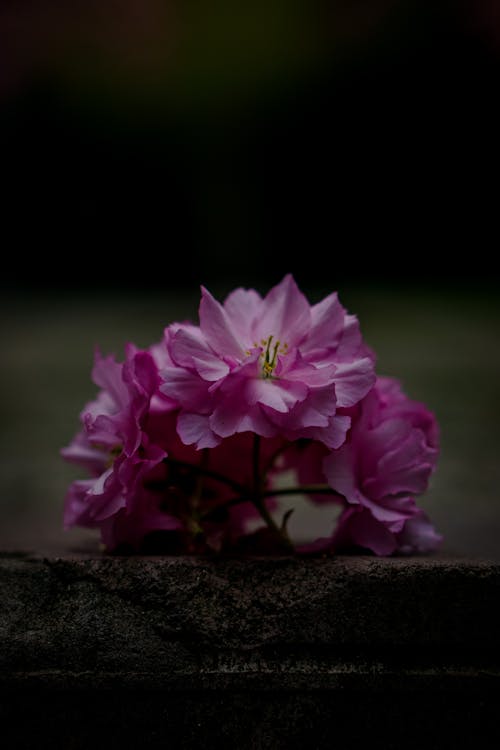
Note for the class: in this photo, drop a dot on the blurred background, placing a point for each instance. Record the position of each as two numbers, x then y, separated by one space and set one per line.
153 145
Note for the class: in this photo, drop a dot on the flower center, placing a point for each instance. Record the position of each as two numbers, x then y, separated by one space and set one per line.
270 355
111 453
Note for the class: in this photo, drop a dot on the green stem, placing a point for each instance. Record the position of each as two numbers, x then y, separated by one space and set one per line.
310 489
259 501
198 491
256 466
261 507
269 465
228 504
236 486
257 495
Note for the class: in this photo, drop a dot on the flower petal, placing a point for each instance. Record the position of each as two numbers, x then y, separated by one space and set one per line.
294 367
286 314
190 351
227 415
365 531
392 511
327 319
278 395
195 429
334 435
186 388
76 507
140 370
107 374
339 471
353 380
81 451
243 307
350 342
256 421
418 535
217 327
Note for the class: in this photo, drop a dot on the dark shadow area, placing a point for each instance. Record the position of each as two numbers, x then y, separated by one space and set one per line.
356 141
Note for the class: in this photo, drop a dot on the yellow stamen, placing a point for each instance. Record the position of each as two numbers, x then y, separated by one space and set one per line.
270 355
113 454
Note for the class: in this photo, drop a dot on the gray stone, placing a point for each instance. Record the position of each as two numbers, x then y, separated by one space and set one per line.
249 653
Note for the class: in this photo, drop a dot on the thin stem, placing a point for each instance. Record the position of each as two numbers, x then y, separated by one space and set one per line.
258 497
236 486
261 507
198 490
307 489
269 465
228 504
256 466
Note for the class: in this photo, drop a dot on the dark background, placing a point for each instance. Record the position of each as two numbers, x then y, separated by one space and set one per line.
352 143
235 141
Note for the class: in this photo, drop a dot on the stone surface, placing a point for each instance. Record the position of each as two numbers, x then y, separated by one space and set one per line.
255 653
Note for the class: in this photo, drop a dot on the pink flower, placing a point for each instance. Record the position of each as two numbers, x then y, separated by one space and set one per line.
388 458
144 480
113 444
272 366
357 527
187 444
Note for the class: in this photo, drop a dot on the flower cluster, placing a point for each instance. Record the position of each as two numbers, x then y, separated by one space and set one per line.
187 443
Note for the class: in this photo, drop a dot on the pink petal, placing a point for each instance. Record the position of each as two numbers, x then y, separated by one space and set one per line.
160 353
412 479
195 429
76 506
339 471
107 374
294 367
190 351
275 394
367 532
243 307
327 324
353 380
389 434
81 451
404 467
256 421
373 444
350 340
141 370
218 329
307 416
392 511
418 535
185 388
334 435
104 403
286 314
99 484
323 400
227 416
109 431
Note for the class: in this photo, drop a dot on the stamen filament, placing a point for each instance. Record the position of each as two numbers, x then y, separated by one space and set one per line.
270 355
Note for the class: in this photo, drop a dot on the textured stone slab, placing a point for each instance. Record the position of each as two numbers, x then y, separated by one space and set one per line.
259 653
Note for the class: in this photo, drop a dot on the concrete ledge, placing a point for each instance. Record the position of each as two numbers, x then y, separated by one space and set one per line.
249 653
